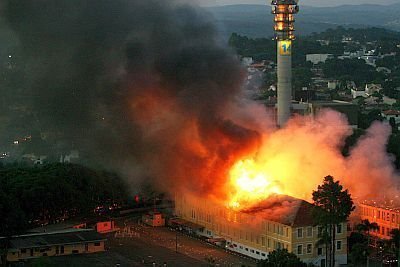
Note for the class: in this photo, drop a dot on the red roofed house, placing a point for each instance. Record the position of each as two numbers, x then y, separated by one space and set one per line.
388 114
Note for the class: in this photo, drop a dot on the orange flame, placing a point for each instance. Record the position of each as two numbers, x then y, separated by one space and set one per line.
250 183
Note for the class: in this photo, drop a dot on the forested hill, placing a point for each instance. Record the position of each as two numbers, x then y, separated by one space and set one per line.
256 20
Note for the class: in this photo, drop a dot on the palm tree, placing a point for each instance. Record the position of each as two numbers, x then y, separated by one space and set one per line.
366 226
325 240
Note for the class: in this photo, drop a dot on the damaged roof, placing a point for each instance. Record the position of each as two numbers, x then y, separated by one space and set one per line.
285 210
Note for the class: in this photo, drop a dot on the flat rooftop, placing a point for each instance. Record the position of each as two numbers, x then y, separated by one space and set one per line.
70 236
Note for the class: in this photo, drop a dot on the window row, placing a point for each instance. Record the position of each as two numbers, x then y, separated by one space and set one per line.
308 248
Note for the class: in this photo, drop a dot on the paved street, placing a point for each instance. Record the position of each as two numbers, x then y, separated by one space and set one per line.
141 245
187 246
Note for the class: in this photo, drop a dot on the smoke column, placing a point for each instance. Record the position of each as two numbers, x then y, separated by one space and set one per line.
140 86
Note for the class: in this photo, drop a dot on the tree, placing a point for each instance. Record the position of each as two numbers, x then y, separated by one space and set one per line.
395 233
357 248
358 254
281 258
393 124
324 239
333 206
366 226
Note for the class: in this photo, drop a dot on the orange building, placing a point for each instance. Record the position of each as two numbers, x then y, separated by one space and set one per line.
386 215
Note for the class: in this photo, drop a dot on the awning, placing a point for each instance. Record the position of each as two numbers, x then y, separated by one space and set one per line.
186 224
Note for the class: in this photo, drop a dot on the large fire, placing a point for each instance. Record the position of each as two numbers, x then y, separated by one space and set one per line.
294 160
250 183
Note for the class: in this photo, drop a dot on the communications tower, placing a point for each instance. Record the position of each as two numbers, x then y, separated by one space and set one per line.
284 11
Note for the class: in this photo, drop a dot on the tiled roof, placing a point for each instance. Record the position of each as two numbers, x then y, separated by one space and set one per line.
391 112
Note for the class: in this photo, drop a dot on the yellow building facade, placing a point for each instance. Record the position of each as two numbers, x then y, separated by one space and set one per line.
284 222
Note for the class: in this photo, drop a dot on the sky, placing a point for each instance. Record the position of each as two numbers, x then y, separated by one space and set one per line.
319 3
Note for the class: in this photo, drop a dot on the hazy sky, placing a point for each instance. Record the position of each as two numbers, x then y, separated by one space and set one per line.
302 2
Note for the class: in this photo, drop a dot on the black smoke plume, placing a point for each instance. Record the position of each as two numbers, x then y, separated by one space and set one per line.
137 86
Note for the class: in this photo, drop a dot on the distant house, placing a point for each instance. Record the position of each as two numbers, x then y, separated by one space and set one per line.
67 242
388 114
371 88
347 39
351 85
318 58
247 61
333 84
357 92
370 60
383 70
389 101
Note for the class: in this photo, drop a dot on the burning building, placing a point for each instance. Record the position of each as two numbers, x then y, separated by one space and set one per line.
385 213
279 222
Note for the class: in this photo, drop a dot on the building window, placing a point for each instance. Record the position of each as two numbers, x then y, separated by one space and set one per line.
263 254
263 241
258 253
339 228
319 251
320 231
97 244
338 245
23 250
252 250
299 232
309 231
299 249
309 248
